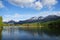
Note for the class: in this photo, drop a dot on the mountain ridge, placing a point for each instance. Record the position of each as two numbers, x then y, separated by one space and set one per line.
36 19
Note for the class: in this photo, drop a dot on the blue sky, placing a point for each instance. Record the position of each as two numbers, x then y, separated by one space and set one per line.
25 9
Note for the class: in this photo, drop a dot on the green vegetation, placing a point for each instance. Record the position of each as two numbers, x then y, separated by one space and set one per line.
1 23
48 27
51 27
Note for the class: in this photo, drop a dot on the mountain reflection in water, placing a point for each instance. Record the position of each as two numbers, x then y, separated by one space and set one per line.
17 34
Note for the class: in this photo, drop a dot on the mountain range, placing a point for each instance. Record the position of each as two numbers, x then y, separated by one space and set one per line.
36 19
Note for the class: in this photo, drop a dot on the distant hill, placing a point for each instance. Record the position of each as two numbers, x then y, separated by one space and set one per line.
10 22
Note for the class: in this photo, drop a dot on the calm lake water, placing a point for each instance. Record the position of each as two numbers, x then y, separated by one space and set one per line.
17 34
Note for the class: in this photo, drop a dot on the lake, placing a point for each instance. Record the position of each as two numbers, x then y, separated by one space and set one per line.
17 34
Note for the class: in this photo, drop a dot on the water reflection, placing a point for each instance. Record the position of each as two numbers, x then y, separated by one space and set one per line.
1 33
17 34
14 34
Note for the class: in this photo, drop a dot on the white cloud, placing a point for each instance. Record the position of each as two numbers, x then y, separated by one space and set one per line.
49 3
8 17
16 17
46 13
56 13
33 3
1 4
38 5
27 3
22 3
